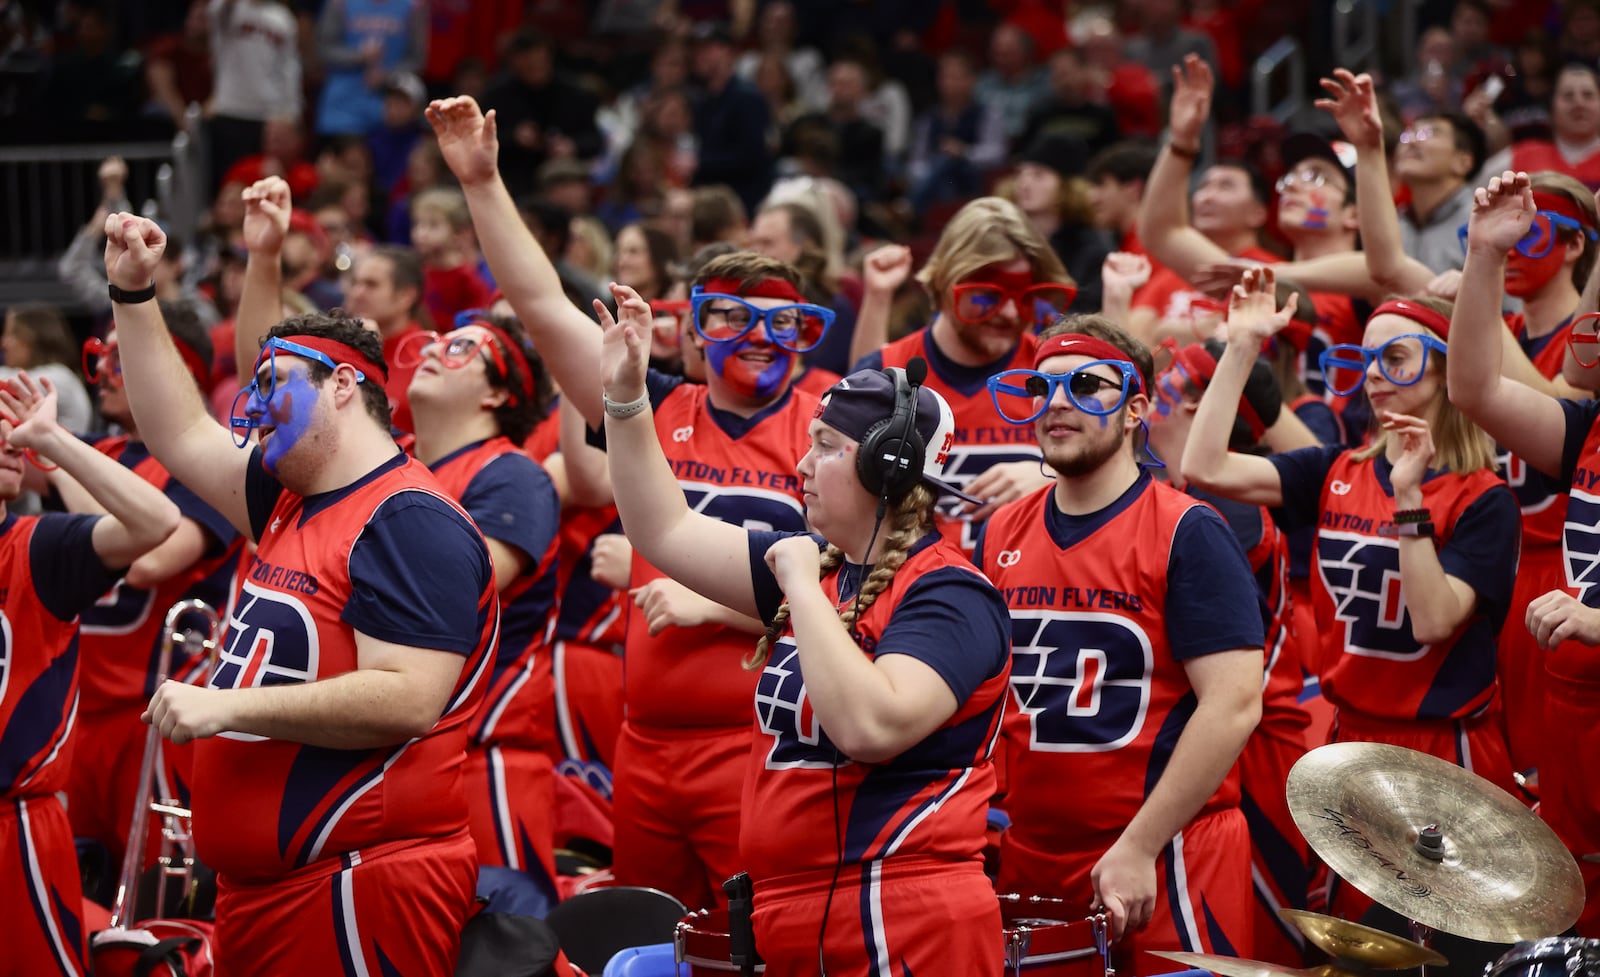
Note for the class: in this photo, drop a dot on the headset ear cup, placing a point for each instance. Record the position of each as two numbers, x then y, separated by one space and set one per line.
869 457
889 462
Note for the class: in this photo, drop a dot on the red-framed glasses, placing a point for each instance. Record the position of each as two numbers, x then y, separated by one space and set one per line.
1204 313
101 361
1039 305
458 348
670 314
1584 340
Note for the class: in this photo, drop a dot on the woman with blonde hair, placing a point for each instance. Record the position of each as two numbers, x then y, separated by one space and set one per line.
1417 535
884 672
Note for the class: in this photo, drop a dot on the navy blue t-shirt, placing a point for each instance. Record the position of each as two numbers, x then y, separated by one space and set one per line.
67 572
513 500
417 571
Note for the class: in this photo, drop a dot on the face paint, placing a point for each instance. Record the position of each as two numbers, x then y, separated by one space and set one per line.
1527 276
288 416
749 379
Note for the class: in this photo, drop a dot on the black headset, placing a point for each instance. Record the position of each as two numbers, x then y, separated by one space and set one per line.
889 463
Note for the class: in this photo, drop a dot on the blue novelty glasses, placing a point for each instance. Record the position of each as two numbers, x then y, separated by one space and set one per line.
261 388
797 328
1402 361
1022 396
1541 236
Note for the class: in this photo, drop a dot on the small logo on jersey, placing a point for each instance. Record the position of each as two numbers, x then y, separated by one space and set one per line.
276 522
1362 574
1009 558
1339 488
683 434
784 714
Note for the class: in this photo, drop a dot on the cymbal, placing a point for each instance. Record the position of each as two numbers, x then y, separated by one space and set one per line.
1238 967
1434 842
1369 948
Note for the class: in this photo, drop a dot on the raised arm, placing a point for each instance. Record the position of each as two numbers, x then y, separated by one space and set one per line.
172 416
704 554
1164 213
137 515
1530 424
1207 462
588 475
1121 275
1354 105
882 274
564 335
266 222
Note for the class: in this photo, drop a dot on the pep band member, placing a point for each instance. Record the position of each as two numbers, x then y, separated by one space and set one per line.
884 680
1416 542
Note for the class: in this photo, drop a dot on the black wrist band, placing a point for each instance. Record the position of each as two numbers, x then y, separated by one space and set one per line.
122 296
1403 516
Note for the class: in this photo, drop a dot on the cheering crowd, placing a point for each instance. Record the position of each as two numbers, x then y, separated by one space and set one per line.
896 524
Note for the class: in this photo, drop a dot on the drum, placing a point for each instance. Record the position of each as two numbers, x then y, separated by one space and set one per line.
1044 938
1558 956
701 940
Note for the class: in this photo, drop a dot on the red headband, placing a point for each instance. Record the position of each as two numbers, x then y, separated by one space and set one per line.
766 288
343 355
515 349
1560 203
1077 344
1200 366
1416 312
192 360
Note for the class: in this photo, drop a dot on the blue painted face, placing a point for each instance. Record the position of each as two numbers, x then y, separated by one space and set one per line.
746 378
285 416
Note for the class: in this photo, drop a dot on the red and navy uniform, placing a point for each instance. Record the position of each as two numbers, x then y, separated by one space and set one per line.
121 641
1568 796
1315 413
903 861
363 854
1105 610
49 572
1280 859
508 773
1387 687
591 628
983 438
681 757
1543 501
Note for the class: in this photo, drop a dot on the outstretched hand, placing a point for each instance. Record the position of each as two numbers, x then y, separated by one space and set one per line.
266 215
1354 106
467 138
625 346
28 411
134 246
1502 212
1192 85
1253 312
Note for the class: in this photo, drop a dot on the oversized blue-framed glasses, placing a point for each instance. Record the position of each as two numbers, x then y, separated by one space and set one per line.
1541 236
1402 361
720 318
1022 396
262 386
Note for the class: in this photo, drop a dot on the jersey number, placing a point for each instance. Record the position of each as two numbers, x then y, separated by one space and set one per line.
1362 575
1081 678
785 714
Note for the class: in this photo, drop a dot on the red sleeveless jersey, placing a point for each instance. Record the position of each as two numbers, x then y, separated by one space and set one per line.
1533 155
38 671
983 438
264 808
1376 667
121 634
692 677
517 703
930 801
1101 701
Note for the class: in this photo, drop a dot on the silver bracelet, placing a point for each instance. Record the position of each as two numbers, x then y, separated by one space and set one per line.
628 409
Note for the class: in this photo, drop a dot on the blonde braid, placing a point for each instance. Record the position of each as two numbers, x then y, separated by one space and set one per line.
910 520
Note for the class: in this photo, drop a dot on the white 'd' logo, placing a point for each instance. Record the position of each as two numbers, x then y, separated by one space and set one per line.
1339 488
1009 558
683 434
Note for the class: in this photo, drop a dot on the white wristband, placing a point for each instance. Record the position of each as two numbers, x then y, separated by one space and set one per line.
628 409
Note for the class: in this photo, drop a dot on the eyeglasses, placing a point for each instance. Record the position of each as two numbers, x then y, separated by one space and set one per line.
1585 334
1401 361
457 348
1041 304
797 327
1417 134
670 315
1306 178
1022 396
1542 233
101 361
256 396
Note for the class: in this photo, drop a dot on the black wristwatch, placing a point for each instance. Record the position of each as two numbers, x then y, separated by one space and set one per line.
1421 529
122 296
